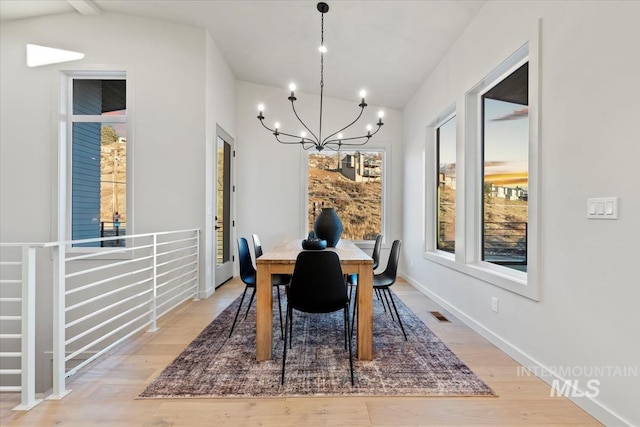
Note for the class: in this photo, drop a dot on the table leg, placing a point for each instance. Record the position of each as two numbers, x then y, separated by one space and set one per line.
264 305
365 312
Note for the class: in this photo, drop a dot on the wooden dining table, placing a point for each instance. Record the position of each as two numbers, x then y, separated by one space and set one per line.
282 259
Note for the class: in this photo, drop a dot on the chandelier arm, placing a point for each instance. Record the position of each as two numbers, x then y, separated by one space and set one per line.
329 147
265 126
340 142
301 141
298 137
347 126
293 107
367 137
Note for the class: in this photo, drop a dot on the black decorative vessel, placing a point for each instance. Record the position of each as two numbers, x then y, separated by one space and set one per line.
328 227
314 244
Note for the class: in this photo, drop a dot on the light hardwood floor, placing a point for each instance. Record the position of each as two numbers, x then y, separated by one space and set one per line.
105 393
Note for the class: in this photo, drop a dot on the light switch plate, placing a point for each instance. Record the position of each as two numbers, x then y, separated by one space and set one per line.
602 208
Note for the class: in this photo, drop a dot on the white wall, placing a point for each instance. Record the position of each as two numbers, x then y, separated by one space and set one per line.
270 175
182 89
587 316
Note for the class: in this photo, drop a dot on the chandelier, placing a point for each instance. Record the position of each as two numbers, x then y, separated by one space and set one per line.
334 140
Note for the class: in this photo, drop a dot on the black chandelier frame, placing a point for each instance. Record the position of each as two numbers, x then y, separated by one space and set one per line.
335 140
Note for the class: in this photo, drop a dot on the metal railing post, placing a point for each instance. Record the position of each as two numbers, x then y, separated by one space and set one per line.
197 297
28 316
154 304
59 347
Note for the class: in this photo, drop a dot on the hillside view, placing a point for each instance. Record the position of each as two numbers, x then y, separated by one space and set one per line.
358 201
505 216
113 177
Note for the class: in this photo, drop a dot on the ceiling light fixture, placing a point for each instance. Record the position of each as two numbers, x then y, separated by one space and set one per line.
335 140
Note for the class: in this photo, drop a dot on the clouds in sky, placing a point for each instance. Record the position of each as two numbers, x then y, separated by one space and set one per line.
523 113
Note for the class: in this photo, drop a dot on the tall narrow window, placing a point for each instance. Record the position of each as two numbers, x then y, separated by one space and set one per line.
351 182
446 190
505 142
98 160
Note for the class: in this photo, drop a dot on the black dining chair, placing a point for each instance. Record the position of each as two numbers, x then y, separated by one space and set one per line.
317 286
383 281
248 277
375 255
277 279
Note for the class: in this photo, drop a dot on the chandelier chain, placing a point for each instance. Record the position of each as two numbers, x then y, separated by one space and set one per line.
321 73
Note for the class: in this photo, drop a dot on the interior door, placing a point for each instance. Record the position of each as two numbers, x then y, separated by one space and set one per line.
223 222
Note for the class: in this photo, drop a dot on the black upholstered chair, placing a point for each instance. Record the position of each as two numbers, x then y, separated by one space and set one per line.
248 277
317 286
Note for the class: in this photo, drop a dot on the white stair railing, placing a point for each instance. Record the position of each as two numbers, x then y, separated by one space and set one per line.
101 297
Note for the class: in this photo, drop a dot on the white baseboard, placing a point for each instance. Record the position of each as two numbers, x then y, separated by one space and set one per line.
206 293
588 404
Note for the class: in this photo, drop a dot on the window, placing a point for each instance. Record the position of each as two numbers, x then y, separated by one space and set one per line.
352 182
501 212
446 185
98 155
505 171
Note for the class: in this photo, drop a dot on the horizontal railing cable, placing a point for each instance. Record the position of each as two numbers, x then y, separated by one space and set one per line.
104 295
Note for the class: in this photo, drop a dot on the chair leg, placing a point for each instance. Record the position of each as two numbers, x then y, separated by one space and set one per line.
286 335
253 294
384 293
348 338
397 314
290 314
355 309
235 319
384 307
280 312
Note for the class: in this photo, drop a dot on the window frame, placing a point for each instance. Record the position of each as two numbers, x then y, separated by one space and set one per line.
386 161
431 186
64 167
523 283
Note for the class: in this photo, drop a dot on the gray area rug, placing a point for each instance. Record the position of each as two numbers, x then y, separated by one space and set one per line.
214 365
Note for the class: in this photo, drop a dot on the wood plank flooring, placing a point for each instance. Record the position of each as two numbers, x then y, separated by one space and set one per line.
105 393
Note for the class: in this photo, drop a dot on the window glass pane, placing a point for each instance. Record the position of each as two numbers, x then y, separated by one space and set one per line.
99 97
350 182
446 202
505 173
99 182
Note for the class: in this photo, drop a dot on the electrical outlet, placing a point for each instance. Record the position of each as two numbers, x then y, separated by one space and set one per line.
494 304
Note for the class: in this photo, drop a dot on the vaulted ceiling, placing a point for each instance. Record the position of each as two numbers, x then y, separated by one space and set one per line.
385 47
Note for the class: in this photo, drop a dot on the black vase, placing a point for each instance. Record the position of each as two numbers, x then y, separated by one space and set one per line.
328 227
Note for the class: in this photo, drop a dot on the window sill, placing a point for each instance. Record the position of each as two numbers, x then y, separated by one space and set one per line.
506 278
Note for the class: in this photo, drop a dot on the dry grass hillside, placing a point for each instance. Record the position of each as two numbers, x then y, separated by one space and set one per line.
505 220
113 177
358 204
